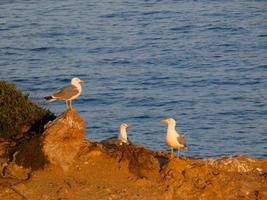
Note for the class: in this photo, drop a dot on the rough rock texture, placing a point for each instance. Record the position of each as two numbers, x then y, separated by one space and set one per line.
141 161
111 170
63 138
202 179
3 148
4 144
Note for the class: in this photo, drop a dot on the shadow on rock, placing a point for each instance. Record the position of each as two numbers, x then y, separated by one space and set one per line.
142 162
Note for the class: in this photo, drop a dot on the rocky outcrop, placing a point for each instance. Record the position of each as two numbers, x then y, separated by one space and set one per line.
63 138
223 178
114 170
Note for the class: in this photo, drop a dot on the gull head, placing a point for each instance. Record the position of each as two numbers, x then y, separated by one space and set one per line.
76 81
125 126
169 121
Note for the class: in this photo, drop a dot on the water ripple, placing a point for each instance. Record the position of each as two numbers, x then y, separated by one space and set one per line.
200 62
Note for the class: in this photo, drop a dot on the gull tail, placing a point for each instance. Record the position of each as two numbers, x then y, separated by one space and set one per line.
129 141
186 147
49 98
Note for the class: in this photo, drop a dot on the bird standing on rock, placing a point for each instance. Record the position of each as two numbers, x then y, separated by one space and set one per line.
67 93
123 133
173 138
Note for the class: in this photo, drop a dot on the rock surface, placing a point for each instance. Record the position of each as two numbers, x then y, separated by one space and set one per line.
82 170
63 138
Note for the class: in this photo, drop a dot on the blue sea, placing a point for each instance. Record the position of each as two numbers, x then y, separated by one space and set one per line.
203 63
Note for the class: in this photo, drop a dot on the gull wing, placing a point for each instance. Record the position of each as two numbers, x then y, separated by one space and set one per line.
66 92
129 141
181 140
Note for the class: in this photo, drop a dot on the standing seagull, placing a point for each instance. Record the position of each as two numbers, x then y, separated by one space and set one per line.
67 93
173 138
123 133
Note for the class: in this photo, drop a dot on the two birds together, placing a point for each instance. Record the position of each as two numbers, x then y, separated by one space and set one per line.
72 91
173 138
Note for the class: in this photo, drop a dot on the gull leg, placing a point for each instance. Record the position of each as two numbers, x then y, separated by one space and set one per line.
71 104
67 106
178 154
171 152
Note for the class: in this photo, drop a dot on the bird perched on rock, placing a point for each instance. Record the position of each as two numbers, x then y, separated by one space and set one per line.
67 93
173 138
123 133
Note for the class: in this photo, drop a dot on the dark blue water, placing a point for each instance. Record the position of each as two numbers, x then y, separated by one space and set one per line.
203 63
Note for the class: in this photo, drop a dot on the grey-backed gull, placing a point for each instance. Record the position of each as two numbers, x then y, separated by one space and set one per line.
173 138
67 93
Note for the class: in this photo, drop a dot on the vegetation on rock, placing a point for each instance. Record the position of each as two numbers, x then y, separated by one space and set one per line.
18 114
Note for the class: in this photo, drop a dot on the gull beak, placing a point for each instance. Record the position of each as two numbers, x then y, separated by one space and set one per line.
163 121
129 126
81 81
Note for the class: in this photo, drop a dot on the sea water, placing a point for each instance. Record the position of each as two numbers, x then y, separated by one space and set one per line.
203 63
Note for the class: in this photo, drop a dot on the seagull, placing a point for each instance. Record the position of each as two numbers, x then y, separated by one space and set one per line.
173 138
123 133
67 93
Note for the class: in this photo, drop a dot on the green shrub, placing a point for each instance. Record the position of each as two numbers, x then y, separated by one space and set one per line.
18 113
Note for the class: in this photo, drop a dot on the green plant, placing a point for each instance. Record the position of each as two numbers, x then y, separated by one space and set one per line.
17 113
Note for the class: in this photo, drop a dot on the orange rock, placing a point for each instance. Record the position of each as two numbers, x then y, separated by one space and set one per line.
63 138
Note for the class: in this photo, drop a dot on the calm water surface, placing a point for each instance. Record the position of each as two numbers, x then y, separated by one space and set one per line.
203 63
